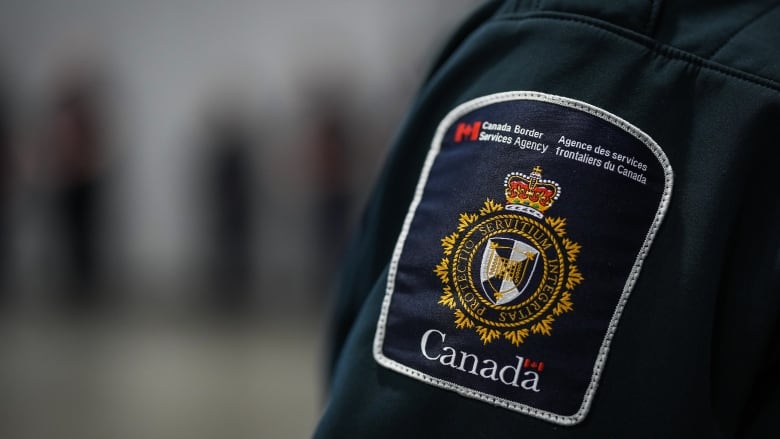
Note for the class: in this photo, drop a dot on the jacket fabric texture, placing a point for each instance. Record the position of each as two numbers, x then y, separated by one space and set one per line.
696 351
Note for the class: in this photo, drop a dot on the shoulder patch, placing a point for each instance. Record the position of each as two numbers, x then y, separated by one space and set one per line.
531 220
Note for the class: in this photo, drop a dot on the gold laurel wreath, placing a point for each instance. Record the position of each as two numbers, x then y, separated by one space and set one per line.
544 325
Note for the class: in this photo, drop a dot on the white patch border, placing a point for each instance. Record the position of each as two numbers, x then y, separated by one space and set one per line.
448 120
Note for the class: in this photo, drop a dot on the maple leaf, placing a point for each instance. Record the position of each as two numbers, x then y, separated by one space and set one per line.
516 337
448 242
490 207
572 249
441 270
487 335
574 278
544 326
564 304
465 219
446 298
462 321
557 224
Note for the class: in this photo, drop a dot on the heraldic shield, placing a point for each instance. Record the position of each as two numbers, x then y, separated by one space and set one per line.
507 268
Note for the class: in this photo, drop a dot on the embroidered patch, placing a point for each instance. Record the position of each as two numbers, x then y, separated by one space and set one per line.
531 220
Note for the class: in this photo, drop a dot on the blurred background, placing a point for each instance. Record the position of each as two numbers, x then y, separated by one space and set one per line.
177 182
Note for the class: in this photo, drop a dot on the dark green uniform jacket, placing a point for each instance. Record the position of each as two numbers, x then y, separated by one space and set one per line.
642 303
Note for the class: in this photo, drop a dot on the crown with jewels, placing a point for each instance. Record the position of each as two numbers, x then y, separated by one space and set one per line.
530 191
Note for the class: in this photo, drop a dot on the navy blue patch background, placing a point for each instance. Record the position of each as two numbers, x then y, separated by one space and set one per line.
608 214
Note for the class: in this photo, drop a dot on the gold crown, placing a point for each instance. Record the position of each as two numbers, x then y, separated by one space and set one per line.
530 190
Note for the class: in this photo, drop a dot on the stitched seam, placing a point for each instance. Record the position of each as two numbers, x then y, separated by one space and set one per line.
651 45
742 28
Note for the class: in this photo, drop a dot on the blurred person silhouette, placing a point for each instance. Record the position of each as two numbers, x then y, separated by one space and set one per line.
76 141
230 196
5 190
329 155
